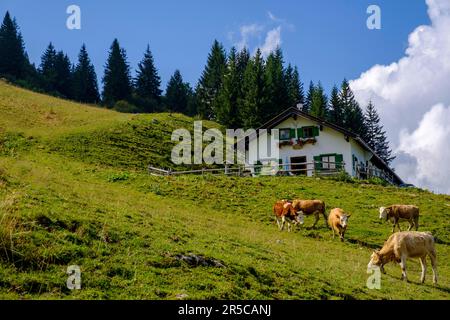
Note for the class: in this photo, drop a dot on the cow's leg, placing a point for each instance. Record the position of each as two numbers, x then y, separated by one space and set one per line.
423 263
278 223
416 223
403 266
325 218
334 232
316 215
283 221
434 266
411 224
342 235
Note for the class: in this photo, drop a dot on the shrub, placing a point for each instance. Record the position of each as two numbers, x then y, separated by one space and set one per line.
118 177
125 107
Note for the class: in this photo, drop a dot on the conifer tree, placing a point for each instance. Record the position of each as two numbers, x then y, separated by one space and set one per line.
230 93
48 68
117 83
253 101
210 82
276 86
63 75
353 117
319 102
309 97
14 60
148 82
375 135
335 113
178 94
242 59
295 87
85 86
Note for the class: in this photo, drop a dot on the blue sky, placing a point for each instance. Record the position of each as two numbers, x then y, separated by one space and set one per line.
327 39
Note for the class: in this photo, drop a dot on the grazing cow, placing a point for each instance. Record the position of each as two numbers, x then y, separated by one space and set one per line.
338 220
309 207
401 212
285 212
403 245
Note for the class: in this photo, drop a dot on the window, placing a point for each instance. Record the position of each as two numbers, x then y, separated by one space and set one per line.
285 134
308 132
329 162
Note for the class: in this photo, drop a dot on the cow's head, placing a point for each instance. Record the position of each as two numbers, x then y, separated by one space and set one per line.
344 220
384 213
300 217
375 259
296 203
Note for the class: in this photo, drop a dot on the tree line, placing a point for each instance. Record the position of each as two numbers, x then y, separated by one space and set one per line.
236 89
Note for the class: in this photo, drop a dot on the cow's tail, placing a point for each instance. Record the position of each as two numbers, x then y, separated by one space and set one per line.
324 213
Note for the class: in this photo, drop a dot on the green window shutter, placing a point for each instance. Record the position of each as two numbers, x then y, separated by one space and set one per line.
339 161
317 166
280 161
316 131
292 135
300 133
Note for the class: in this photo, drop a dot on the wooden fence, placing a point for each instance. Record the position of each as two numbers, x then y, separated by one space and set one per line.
368 172
286 169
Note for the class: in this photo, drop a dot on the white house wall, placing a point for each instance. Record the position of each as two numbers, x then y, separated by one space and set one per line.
329 141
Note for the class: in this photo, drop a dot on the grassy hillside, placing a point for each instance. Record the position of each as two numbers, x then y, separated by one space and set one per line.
73 190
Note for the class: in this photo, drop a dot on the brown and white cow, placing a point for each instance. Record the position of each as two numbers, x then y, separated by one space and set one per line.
338 221
309 207
403 245
285 212
395 213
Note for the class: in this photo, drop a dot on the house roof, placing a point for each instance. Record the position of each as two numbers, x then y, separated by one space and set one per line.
293 111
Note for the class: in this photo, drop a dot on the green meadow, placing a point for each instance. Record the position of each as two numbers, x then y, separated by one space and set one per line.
74 190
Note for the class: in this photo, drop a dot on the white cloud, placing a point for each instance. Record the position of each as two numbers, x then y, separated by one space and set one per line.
406 91
429 145
272 42
272 17
247 32
252 34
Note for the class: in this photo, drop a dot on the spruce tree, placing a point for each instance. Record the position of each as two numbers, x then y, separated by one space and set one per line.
178 94
276 85
230 93
48 68
254 95
14 60
375 136
148 82
295 87
335 112
319 102
63 78
210 82
309 97
85 86
383 150
242 59
353 117
117 83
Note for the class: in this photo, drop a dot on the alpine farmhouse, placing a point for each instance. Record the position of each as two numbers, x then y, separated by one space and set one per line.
311 146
